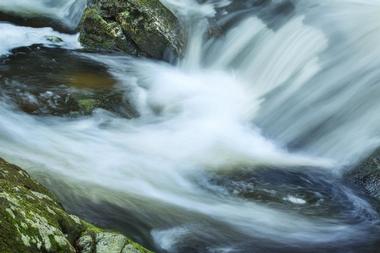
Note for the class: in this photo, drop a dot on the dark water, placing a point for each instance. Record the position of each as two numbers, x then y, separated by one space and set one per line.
323 197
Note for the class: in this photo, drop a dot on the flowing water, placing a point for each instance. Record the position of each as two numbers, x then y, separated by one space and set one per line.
239 146
68 12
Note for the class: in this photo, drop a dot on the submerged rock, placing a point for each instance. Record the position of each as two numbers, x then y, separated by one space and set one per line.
54 81
32 220
54 39
136 27
299 189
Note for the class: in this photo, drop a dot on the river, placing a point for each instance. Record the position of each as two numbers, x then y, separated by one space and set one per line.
239 146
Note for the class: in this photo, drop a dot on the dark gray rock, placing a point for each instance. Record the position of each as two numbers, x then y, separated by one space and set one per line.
367 175
136 27
54 81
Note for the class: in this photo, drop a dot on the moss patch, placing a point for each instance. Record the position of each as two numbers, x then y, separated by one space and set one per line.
33 221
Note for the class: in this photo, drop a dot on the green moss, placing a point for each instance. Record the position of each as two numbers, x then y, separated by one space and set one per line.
146 24
133 245
91 228
33 221
96 33
143 32
87 105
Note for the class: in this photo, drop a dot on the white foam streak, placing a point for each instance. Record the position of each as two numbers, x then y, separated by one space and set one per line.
12 36
335 105
67 11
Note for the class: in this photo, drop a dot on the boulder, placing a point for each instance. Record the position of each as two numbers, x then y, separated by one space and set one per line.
33 221
59 82
136 27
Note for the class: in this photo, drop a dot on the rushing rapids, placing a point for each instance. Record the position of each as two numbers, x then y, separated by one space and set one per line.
239 146
68 12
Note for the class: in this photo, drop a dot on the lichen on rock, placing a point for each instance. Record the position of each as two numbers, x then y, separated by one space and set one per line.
33 221
97 33
137 27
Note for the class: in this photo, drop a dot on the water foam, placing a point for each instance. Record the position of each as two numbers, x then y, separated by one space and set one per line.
13 36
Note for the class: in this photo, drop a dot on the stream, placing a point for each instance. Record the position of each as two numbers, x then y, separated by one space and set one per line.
238 146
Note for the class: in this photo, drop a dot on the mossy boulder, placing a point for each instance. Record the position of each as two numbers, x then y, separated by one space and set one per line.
33 221
107 242
97 33
137 27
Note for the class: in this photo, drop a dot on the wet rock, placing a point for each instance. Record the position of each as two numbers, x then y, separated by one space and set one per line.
107 242
86 243
53 81
367 175
97 33
136 27
54 39
32 220
299 189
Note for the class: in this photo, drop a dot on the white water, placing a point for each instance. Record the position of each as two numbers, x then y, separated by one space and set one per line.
67 11
12 36
236 101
